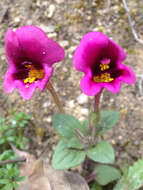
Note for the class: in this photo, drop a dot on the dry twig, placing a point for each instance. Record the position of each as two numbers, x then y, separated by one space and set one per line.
131 23
20 159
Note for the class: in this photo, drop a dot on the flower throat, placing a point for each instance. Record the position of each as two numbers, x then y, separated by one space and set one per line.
33 74
103 77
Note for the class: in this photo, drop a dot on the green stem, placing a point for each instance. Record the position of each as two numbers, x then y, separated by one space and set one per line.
55 97
4 146
20 135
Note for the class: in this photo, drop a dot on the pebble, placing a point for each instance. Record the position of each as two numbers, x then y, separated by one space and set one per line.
72 49
47 29
82 99
84 111
65 69
59 1
136 142
47 119
29 22
71 104
120 137
51 9
17 20
70 56
52 35
45 3
46 104
64 43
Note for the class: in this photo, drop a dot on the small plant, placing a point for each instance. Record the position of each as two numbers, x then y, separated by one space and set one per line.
11 131
9 173
31 55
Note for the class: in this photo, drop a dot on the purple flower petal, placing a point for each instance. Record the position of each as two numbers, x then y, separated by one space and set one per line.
128 75
88 86
14 53
37 46
91 48
41 84
100 58
9 82
30 54
113 86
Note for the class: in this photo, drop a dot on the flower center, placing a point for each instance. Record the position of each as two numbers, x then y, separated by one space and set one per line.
33 74
103 77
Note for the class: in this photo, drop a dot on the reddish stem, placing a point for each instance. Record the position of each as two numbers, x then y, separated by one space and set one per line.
90 178
96 110
20 159
55 97
97 101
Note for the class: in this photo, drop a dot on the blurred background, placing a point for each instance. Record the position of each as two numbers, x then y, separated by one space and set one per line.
66 21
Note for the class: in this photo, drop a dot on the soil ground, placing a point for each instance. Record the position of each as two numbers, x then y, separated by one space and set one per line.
66 22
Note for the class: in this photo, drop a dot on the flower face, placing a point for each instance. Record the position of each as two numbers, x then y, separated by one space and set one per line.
101 61
30 55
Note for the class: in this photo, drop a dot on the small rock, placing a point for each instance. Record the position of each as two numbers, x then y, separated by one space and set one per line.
82 99
46 104
65 69
84 111
64 43
47 29
136 142
120 137
47 119
52 35
72 49
70 56
113 142
71 104
45 3
17 20
52 9
29 22
59 1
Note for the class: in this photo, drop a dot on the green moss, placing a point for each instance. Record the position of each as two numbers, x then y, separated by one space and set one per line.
130 51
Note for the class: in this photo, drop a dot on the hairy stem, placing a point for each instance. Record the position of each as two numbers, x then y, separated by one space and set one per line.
96 111
97 101
55 97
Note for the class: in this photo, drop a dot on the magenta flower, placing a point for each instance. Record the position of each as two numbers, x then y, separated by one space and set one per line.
101 61
30 55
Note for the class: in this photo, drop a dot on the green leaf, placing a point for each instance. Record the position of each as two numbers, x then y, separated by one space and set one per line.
7 186
74 143
11 139
4 181
65 124
102 152
7 155
108 119
135 175
95 186
15 185
106 174
2 141
84 127
134 178
65 158
121 186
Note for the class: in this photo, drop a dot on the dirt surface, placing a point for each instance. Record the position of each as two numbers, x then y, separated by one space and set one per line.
66 22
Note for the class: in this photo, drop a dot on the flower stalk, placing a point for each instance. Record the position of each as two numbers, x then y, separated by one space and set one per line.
97 101
55 97
95 115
